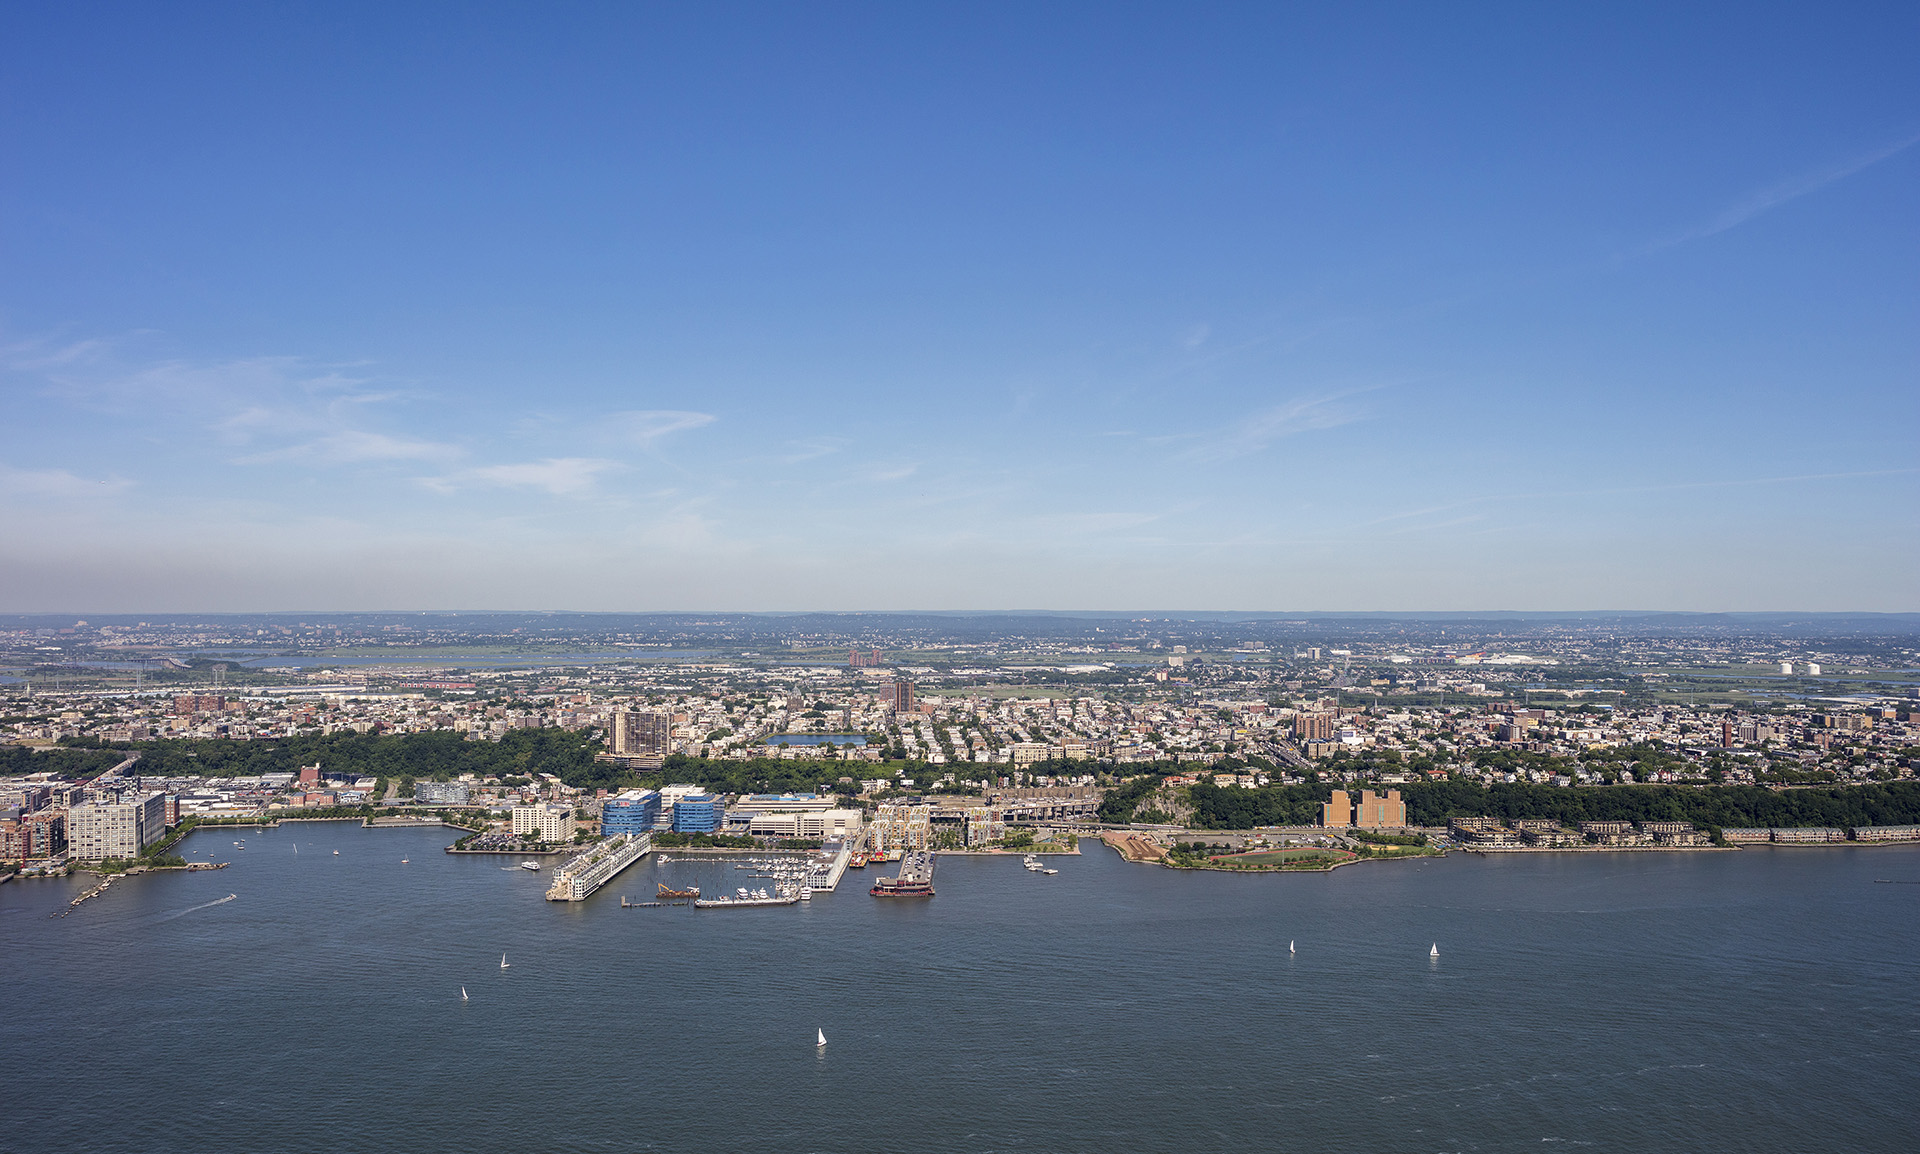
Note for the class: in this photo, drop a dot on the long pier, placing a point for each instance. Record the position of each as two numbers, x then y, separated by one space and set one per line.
826 875
578 877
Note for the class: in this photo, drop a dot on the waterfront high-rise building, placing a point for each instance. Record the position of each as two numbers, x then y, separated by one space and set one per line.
640 734
1372 812
549 823
699 813
634 811
116 829
34 837
1337 813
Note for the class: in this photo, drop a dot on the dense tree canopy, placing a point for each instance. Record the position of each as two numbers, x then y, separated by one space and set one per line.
1433 802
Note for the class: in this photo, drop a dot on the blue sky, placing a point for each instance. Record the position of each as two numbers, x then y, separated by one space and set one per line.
649 306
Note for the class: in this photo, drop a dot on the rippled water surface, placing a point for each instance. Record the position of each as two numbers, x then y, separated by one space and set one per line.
1758 1001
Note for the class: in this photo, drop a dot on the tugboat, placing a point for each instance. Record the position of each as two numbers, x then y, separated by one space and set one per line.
915 879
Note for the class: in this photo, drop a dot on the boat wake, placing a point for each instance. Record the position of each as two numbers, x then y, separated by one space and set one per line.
201 906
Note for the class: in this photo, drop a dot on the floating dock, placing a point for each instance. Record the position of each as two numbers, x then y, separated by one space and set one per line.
579 876
743 903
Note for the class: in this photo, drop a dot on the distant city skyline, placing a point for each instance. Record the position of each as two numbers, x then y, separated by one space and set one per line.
850 308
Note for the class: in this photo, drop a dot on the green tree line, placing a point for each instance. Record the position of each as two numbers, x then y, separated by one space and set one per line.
1433 802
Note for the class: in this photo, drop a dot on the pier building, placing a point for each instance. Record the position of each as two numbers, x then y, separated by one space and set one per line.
580 876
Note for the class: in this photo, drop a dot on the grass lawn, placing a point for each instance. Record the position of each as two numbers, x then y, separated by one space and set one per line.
1283 856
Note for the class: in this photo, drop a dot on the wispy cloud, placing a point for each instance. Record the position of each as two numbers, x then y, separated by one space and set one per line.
1774 195
646 426
559 476
57 484
353 446
1255 432
812 449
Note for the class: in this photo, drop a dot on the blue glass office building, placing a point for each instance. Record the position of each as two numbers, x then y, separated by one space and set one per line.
632 812
699 813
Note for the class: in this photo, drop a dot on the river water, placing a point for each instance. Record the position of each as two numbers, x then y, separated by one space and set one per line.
1757 1001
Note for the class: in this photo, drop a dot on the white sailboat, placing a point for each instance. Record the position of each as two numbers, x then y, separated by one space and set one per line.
503 961
463 993
1435 951
1289 946
823 1039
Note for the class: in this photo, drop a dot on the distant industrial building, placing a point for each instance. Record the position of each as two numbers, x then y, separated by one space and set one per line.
116 829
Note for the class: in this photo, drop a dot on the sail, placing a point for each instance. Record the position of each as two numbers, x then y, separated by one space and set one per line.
823 1037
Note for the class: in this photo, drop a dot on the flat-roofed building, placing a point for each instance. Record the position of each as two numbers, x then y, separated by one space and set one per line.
35 837
634 811
122 829
1029 752
548 823
634 733
984 824
699 813
441 792
831 823
1337 812
1374 812
754 803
